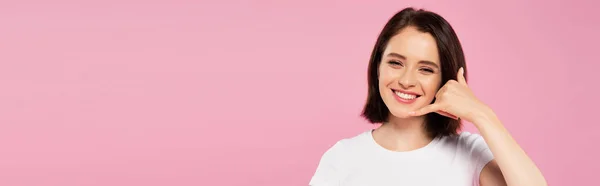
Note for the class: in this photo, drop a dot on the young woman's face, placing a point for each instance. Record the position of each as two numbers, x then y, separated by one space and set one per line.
410 72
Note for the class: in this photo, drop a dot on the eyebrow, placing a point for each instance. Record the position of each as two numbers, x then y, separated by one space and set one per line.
404 58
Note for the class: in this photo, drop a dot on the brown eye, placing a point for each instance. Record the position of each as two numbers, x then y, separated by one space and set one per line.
428 70
395 63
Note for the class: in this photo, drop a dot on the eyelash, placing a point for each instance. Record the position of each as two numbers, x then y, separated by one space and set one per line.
395 63
428 70
400 63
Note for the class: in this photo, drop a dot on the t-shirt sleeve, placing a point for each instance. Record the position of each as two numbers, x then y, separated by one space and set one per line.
328 171
479 153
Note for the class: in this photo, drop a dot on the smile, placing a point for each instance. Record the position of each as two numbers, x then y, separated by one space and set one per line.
405 97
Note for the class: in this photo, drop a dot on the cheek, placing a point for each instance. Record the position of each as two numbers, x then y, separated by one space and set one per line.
385 76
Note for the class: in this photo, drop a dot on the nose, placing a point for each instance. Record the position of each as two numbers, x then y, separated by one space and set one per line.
407 80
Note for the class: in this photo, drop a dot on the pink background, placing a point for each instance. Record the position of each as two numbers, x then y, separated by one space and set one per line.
253 92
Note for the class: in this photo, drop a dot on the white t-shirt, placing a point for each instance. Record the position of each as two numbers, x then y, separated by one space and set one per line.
360 161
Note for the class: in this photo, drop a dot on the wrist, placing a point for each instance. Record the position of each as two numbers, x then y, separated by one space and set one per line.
484 115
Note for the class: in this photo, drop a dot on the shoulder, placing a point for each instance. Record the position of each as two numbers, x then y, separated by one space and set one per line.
472 142
344 146
345 149
469 147
334 161
464 141
476 151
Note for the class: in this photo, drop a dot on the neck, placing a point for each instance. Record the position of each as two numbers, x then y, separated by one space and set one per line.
403 134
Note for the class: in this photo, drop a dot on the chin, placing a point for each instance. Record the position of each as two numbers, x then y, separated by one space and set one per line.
400 113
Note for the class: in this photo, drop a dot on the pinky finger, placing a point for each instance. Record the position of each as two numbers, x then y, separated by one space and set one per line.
425 110
447 115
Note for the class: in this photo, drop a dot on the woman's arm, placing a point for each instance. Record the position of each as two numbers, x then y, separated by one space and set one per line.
511 165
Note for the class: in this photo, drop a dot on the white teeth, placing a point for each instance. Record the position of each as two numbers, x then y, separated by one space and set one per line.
406 96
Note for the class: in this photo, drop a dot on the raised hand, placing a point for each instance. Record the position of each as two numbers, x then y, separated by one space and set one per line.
455 100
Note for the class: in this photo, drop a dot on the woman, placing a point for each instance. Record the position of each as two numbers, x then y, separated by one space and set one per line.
418 91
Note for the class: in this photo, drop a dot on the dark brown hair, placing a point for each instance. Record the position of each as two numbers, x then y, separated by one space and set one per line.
451 59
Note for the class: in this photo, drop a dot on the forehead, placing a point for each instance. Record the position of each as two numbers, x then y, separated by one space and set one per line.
414 45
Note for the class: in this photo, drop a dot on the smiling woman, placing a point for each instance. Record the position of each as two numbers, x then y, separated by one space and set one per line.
419 93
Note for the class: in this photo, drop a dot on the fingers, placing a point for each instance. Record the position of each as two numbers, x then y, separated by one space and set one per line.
441 90
432 108
426 110
461 76
437 108
447 115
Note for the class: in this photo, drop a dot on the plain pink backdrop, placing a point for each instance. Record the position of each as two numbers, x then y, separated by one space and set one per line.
253 92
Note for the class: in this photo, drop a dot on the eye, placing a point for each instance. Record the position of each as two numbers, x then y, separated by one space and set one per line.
427 70
395 63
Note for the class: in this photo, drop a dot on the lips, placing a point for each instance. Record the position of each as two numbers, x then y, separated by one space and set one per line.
405 96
